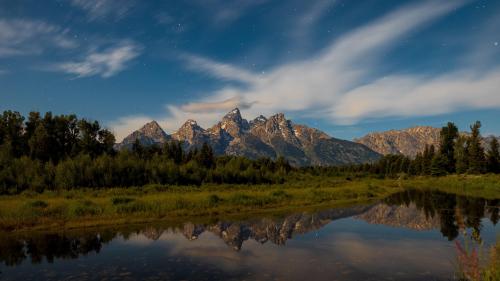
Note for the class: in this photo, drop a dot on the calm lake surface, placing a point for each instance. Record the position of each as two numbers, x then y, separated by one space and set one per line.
407 236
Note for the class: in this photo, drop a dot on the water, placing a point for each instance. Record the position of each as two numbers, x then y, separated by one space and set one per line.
408 236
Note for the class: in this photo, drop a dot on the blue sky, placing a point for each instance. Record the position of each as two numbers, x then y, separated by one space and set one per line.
346 67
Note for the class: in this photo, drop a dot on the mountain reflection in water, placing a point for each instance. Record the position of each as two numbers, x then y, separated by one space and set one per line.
411 210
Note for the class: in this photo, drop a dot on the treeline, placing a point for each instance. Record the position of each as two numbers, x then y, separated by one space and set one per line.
457 154
64 152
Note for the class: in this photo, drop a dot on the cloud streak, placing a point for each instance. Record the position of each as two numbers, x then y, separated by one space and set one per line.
101 9
27 37
226 105
104 63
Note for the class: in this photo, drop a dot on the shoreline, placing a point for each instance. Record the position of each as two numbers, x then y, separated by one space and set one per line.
76 209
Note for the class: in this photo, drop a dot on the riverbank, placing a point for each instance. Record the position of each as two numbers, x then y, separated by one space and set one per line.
88 208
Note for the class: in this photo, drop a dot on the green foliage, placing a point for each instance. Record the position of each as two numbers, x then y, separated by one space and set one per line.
476 157
63 152
448 136
85 208
214 200
37 204
461 155
440 165
493 157
121 200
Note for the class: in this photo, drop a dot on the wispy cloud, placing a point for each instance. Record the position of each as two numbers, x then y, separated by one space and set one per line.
226 105
340 83
225 12
104 63
26 37
100 9
220 70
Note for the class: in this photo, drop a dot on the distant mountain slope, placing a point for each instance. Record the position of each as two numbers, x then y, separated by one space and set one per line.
261 137
407 141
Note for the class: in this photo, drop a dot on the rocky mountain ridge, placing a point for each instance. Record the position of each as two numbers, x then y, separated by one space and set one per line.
262 137
408 141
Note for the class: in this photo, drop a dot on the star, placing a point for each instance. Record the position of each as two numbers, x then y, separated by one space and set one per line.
496 43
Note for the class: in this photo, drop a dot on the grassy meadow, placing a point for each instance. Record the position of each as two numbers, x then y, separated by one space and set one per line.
93 207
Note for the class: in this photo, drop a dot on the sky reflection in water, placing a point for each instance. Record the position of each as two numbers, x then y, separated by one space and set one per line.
406 237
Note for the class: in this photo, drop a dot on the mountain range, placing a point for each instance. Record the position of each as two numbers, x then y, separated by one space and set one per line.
277 136
261 137
409 141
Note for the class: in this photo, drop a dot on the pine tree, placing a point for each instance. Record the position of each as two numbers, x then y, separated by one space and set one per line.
477 161
428 155
447 145
461 155
493 157
206 156
439 165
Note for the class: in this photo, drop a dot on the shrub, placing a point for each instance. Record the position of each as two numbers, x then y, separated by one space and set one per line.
132 207
39 204
213 200
85 208
121 200
280 194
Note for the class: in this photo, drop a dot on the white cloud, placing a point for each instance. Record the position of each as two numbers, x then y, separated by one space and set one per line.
340 83
100 9
220 70
26 37
225 105
405 96
104 63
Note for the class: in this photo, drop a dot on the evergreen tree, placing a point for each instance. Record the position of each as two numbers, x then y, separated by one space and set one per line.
39 144
206 156
476 157
427 157
173 150
137 148
461 155
493 157
448 136
11 130
439 165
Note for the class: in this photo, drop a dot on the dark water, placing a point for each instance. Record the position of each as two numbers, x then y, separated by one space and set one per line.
408 236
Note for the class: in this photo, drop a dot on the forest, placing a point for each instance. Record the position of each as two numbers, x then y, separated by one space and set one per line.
457 153
64 152
53 152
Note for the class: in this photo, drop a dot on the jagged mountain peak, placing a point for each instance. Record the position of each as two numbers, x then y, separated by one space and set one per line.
190 132
232 123
259 120
262 137
152 126
235 113
280 117
149 134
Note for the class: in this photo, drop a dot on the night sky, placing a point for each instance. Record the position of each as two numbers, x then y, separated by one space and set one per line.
345 67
